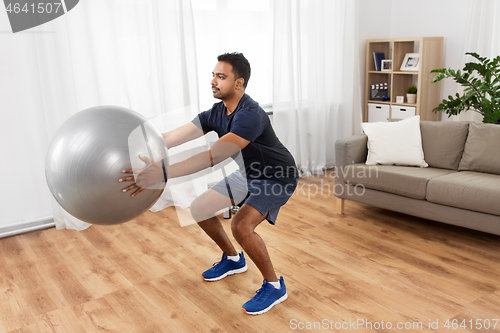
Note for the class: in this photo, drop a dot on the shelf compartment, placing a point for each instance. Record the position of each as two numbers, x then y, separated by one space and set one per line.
379 77
400 84
384 47
399 52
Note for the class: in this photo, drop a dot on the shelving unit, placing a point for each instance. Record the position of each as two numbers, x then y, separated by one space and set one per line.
430 50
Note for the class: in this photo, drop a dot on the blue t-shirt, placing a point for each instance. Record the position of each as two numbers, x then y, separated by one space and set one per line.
265 156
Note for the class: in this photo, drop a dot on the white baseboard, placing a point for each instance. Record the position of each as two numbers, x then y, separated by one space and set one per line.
39 224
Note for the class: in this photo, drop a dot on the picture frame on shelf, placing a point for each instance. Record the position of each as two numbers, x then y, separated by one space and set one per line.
400 99
386 65
411 62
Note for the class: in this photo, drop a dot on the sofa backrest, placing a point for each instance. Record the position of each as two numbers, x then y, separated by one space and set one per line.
443 142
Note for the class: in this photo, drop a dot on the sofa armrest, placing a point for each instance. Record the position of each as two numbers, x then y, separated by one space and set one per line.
349 151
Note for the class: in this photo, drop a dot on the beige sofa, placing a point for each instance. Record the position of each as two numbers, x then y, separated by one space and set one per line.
461 186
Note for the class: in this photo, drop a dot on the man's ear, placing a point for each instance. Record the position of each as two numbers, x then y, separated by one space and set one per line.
240 82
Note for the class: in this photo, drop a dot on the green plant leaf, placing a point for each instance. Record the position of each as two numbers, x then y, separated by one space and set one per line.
437 78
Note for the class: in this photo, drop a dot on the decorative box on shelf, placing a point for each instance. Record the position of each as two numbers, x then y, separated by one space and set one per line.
402 112
378 112
379 92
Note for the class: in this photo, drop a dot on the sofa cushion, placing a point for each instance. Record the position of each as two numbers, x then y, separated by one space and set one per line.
443 142
407 181
475 191
397 143
482 149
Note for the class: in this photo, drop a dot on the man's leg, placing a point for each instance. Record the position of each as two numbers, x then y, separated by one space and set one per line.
273 290
213 228
243 227
203 210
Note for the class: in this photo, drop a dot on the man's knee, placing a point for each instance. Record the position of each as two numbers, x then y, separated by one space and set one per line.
207 205
241 229
200 210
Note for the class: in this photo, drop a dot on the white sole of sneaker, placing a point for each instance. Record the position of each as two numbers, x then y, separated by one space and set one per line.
234 271
278 301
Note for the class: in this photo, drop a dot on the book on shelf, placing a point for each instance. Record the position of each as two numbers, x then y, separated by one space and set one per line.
378 57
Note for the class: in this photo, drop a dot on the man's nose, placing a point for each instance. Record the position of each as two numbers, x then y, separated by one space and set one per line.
213 82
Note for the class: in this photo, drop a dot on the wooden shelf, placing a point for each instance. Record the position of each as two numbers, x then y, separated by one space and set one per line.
379 101
391 72
404 104
405 73
430 50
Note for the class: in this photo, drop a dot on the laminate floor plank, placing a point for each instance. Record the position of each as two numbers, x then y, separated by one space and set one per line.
62 320
27 329
99 316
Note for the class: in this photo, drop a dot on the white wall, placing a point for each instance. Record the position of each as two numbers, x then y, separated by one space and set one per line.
423 18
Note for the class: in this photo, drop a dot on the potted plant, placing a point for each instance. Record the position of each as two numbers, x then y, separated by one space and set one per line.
481 81
411 94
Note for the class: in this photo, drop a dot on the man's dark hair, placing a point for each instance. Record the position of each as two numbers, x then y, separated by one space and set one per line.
240 64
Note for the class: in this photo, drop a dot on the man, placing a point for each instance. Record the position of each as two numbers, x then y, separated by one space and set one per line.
271 177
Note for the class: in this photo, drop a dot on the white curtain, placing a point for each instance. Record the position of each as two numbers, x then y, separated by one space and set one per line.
483 37
317 85
136 54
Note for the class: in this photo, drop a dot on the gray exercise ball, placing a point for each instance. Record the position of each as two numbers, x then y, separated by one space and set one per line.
86 158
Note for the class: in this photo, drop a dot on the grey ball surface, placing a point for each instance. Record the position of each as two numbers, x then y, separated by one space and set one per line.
86 158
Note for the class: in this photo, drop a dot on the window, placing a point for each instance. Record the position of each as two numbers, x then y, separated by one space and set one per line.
235 26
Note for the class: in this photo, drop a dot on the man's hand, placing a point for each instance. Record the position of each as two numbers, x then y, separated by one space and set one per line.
149 176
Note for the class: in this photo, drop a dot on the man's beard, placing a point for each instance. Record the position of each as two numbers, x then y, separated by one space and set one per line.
217 94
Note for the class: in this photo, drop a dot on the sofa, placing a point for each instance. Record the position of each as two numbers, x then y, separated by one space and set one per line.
460 186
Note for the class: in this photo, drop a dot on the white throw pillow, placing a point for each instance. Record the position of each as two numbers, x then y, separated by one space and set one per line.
397 143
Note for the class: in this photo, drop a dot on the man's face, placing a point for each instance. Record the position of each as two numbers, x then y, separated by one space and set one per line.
224 83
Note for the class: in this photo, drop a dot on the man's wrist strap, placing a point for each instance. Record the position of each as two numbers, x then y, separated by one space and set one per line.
165 172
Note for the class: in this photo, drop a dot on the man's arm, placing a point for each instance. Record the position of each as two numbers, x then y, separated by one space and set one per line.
222 149
182 135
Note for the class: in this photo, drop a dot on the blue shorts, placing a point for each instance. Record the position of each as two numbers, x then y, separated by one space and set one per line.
265 195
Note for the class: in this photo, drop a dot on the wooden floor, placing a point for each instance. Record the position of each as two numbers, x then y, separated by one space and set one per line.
360 272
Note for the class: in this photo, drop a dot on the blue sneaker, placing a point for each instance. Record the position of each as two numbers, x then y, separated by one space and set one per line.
224 268
265 298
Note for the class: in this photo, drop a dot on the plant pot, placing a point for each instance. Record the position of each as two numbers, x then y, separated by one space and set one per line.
411 98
